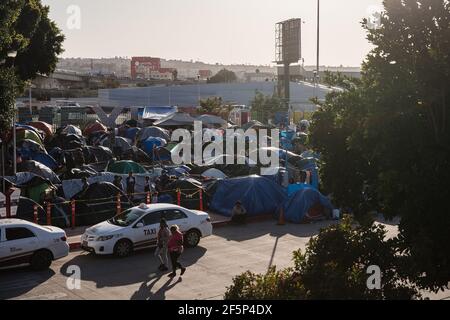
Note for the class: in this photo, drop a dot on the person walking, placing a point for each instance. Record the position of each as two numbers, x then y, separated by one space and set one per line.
162 245
175 250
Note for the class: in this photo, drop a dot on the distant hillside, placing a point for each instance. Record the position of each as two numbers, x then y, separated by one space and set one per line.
121 66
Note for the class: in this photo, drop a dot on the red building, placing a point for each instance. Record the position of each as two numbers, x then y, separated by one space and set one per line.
142 66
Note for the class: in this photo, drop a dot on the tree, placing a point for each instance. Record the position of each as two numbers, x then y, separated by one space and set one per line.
27 30
333 266
266 107
385 140
210 105
223 76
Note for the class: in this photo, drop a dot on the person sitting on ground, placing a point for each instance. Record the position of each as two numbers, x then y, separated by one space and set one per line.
238 214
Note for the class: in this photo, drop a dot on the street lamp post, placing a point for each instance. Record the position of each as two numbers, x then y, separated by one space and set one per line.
13 55
316 76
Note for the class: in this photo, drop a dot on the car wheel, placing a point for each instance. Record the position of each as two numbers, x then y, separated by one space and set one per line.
192 238
123 248
41 260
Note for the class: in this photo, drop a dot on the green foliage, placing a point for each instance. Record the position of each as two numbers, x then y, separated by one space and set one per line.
334 266
385 140
7 98
265 107
26 29
210 105
223 76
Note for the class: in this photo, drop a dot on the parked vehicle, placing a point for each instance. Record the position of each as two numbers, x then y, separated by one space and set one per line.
137 228
23 242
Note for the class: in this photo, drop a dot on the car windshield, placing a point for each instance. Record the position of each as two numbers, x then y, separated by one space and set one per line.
127 217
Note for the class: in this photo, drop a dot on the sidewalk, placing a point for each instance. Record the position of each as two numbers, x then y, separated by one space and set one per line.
74 235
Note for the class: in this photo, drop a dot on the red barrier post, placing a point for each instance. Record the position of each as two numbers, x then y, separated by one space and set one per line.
201 199
8 202
72 206
35 214
49 214
118 205
149 197
178 197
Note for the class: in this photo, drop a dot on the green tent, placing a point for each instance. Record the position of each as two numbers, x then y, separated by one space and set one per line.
125 166
37 193
28 134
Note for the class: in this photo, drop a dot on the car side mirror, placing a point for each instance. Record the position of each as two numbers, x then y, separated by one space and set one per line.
139 225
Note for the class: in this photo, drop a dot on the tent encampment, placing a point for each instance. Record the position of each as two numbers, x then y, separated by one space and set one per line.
125 166
258 195
98 203
306 204
38 169
152 132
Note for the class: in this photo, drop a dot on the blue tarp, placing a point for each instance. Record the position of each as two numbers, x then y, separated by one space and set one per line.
259 195
298 204
131 133
148 144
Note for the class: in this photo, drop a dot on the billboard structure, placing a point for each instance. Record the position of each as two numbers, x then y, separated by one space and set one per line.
143 66
288 41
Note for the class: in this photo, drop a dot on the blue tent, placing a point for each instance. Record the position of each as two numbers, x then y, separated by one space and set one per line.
149 143
299 203
131 133
259 195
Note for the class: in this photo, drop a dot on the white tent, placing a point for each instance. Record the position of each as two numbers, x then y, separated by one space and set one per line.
214 173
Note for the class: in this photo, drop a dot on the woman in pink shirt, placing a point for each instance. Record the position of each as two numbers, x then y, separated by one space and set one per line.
175 249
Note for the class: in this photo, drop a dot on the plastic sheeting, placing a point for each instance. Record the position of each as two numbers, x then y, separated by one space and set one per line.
154 132
74 186
298 204
40 170
258 195
214 173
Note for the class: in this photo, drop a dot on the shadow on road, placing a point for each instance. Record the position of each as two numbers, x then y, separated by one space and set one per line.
109 271
258 229
15 282
145 290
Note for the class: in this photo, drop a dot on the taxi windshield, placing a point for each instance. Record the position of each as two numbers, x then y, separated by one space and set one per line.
127 217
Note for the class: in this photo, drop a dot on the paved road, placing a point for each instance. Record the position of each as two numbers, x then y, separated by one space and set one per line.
211 267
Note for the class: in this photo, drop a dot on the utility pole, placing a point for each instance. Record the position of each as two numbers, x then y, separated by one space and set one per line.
316 76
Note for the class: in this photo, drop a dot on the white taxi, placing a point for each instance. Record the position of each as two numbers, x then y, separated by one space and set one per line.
24 242
137 228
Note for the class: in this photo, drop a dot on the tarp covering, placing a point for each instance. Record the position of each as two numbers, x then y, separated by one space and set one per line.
39 169
297 206
98 203
71 129
176 119
208 119
96 126
43 126
125 166
157 113
150 143
258 195
153 132
214 173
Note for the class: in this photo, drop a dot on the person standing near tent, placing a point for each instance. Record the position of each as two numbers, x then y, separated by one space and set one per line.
147 185
131 182
118 182
238 214
162 245
85 183
175 250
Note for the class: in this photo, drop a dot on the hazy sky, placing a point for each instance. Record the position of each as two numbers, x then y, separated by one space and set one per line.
224 31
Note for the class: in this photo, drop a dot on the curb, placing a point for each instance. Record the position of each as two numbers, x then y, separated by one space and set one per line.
74 246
